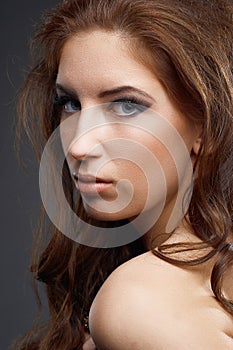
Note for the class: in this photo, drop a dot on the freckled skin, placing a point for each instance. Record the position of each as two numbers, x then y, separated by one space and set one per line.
91 64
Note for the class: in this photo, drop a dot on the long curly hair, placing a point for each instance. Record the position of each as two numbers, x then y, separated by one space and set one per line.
190 43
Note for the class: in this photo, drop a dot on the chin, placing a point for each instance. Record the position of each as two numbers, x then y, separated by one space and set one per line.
106 216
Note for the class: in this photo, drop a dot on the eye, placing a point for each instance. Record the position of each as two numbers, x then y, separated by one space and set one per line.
69 104
72 106
127 107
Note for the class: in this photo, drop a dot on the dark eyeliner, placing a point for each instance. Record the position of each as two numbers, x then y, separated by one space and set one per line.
62 100
137 103
133 100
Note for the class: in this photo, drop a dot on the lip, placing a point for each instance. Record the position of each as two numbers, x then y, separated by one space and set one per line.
92 185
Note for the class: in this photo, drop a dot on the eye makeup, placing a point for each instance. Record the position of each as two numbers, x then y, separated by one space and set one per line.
127 97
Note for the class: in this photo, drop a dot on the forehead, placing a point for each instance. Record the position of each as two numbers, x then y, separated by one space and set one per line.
101 56
95 47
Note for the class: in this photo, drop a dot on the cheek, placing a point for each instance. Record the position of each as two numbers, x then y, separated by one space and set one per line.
153 173
162 160
67 130
135 175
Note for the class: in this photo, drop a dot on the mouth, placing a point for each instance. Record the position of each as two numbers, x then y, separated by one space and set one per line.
90 184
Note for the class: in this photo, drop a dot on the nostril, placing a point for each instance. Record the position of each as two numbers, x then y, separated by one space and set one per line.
75 176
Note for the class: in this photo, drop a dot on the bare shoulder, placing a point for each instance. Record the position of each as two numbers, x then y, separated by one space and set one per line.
149 304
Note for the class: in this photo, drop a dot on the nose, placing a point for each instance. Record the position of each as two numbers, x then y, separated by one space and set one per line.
85 142
84 146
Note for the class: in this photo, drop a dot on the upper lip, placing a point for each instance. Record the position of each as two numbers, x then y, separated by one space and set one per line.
90 178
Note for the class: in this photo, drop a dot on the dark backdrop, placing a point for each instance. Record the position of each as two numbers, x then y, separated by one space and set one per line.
19 191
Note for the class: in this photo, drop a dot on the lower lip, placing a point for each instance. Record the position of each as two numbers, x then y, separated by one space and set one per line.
93 187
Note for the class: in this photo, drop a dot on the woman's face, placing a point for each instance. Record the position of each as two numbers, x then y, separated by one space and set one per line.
116 122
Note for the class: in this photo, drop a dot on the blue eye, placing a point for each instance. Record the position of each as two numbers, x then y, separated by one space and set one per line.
72 106
69 104
127 108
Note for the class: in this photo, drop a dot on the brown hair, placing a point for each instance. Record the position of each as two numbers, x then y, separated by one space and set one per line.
190 43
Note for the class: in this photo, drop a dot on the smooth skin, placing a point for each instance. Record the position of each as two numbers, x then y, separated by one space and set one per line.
93 66
145 303
150 304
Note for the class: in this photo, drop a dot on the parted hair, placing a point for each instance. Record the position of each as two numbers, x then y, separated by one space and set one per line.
190 43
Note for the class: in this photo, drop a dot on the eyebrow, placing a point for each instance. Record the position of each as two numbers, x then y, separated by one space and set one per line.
124 89
67 91
106 93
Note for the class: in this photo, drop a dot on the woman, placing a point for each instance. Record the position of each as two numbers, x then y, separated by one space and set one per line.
149 70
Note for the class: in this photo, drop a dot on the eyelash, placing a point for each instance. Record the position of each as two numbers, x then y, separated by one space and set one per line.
61 101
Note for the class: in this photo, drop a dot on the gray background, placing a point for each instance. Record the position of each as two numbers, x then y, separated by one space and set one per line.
19 189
